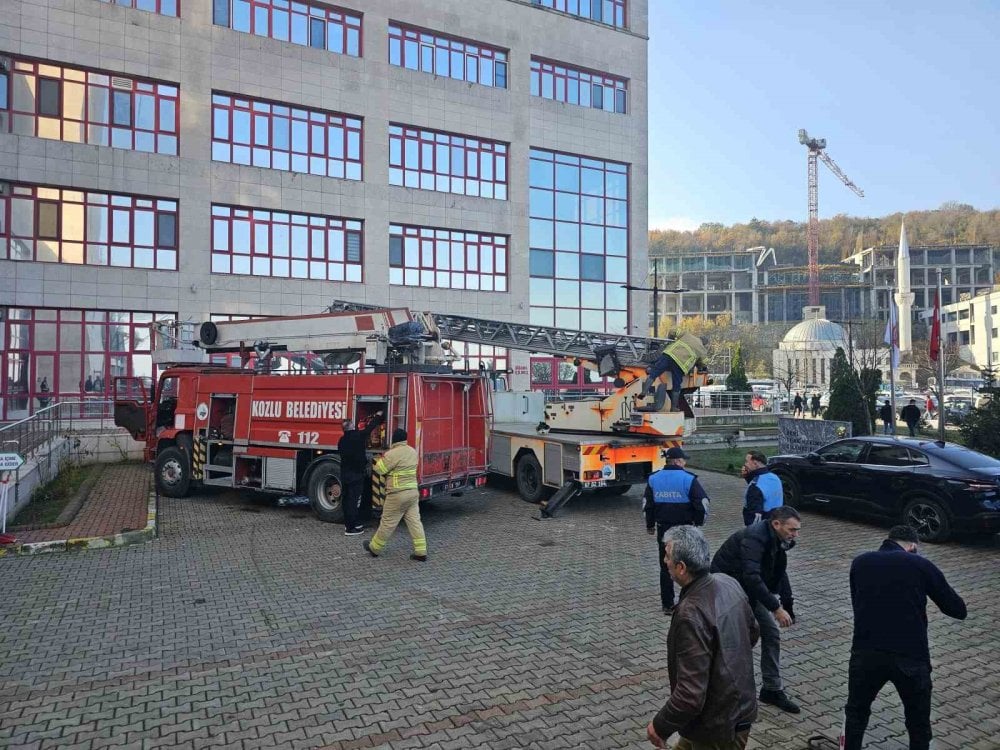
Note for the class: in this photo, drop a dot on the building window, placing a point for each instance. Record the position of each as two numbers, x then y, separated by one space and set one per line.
564 83
266 134
578 234
611 12
53 355
316 25
474 357
446 162
249 241
58 225
447 259
447 56
85 106
161 7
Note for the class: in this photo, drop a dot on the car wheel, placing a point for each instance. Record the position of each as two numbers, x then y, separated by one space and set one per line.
928 519
529 480
173 473
790 491
326 493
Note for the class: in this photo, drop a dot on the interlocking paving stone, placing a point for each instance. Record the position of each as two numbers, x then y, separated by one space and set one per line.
242 629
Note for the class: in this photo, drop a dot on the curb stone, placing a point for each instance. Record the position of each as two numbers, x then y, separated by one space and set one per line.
124 539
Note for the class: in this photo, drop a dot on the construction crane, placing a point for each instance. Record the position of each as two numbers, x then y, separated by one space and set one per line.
817 150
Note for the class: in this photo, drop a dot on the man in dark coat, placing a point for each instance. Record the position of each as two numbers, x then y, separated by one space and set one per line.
889 592
709 653
797 405
815 404
911 415
353 449
674 497
755 556
885 414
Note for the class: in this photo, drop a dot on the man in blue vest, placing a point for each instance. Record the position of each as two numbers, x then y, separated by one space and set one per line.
763 493
673 497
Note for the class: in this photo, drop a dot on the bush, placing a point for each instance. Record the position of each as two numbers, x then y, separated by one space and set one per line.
981 429
737 378
848 396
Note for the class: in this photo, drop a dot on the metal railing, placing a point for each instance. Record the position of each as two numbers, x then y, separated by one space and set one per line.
30 433
716 403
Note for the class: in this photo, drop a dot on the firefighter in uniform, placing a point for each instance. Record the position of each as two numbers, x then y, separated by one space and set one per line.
674 497
678 358
402 498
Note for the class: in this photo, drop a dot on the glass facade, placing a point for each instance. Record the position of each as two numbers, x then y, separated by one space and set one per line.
314 25
447 259
255 242
448 56
64 103
585 88
611 12
267 134
578 234
447 162
49 355
57 225
162 7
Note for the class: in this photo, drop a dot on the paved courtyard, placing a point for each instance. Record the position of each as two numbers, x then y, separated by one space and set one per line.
246 625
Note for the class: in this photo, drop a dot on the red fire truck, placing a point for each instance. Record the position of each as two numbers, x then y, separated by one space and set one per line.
233 427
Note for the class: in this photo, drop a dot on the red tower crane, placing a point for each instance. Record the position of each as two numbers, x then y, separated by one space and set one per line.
817 150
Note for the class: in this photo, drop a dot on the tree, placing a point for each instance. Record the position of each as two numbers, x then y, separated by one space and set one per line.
845 406
737 378
926 367
981 429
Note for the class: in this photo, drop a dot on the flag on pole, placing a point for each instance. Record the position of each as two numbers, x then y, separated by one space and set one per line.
892 334
936 329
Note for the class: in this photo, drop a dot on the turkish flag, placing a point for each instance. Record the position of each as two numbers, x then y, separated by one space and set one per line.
936 329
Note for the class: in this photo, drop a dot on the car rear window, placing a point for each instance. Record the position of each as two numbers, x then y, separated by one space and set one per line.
968 459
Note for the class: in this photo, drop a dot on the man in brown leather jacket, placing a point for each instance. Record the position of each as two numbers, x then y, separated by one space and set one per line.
713 698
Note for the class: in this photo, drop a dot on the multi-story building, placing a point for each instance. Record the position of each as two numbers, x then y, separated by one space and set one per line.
187 158
971 323
753 287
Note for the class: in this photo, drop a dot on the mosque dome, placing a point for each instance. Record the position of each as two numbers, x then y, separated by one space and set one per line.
817 333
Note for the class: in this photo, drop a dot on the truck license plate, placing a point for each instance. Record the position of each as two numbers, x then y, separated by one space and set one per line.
598 483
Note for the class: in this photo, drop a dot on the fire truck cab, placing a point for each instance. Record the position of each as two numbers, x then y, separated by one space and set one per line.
230 427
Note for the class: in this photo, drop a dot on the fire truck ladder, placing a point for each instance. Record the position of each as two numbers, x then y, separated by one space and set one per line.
628 351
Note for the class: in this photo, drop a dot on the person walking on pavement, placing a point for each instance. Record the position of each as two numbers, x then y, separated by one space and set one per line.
911 415
673 497
402 498
815 405
797 405
764 492
889 592
885 414
713 700
353 450
756 557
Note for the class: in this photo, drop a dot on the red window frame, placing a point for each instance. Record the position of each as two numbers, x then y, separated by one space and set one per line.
169 8
576 8
349 22
260 150
563 77
431 257
428 144
88 251
486 56
565 242
313 259
105 338
84 88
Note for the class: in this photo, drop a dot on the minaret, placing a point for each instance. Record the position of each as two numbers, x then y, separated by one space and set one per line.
904 297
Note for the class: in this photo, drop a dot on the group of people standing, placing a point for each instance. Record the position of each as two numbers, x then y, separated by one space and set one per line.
799 405
742 595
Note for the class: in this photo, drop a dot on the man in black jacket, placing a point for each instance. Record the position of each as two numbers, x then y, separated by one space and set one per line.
755 556
673 497
885 414
353 449
889 591
911 415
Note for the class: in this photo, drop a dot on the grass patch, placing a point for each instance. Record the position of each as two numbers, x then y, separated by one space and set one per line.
725 460
49 500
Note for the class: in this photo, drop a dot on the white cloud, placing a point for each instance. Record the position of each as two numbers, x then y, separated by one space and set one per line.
677 223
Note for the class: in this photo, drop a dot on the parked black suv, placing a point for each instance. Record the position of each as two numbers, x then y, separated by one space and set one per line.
937 488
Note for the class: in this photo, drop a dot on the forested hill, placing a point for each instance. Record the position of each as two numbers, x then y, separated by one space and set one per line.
839 236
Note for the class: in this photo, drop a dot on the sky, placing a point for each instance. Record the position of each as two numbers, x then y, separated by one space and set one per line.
906 93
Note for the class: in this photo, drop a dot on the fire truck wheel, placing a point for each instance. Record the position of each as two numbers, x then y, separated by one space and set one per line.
325 491
529 480
173 472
